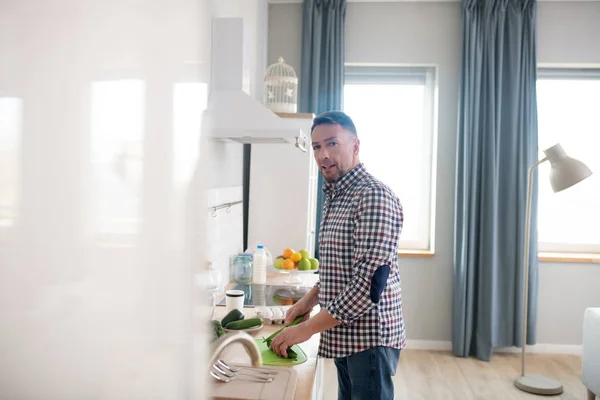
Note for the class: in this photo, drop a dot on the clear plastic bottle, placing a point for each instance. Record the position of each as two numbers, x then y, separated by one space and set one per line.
259 269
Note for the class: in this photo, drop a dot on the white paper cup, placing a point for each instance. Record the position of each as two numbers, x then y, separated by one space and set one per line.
234 299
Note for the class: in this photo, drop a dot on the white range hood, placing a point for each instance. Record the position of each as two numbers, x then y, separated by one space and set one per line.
235 116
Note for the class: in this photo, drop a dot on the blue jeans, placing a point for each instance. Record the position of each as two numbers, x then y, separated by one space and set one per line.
367 375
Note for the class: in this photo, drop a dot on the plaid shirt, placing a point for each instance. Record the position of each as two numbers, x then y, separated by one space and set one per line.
360 230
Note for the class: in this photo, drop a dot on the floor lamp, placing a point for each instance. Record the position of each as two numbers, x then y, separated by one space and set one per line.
564 173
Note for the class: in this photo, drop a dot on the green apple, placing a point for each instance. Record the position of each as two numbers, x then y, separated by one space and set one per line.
305 255
314 263
277 262
304 265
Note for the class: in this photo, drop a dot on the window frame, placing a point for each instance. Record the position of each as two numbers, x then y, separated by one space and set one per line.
426 75
567 252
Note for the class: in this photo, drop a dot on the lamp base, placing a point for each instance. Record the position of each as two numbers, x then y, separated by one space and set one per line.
537 384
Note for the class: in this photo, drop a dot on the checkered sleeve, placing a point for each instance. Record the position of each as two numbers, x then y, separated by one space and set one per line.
378 222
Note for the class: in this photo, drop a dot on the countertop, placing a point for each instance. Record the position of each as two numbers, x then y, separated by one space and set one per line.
309 372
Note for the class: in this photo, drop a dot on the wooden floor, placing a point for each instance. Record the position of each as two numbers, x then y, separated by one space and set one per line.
439 375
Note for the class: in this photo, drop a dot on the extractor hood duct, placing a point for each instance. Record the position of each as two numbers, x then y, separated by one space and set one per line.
235 116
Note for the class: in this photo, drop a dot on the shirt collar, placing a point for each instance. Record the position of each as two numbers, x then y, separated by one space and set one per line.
345 181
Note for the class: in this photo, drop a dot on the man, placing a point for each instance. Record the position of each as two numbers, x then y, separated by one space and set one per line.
359 289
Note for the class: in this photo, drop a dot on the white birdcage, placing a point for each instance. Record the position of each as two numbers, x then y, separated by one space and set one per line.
281 88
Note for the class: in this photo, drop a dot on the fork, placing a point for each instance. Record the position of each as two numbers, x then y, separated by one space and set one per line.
229 374
229 379
248 369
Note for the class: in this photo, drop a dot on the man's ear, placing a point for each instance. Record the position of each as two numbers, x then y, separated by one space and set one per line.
356 147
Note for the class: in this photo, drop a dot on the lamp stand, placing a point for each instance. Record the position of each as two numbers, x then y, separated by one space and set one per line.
535 384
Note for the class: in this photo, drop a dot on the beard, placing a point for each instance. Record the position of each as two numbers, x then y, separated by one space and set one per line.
334 178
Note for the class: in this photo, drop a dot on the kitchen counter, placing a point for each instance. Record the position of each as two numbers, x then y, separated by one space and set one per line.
309 373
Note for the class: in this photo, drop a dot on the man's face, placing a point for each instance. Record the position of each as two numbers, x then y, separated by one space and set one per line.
336 151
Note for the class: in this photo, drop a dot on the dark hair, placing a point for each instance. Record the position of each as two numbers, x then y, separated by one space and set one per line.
335 118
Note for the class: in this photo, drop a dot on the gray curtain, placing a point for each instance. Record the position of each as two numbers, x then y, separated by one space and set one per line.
497 143
322 71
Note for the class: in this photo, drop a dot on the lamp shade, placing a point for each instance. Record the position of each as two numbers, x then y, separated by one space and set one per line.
565 171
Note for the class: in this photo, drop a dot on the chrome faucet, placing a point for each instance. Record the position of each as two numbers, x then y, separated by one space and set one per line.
236 337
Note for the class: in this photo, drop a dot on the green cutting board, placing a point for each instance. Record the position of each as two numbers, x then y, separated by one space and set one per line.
270 358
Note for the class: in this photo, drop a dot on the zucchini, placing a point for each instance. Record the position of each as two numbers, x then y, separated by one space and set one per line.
295 322
244 324
291 354
233 315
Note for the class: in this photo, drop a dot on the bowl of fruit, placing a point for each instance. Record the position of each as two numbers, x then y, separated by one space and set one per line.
295 263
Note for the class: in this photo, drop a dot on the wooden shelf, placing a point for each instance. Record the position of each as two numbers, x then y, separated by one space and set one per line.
296 115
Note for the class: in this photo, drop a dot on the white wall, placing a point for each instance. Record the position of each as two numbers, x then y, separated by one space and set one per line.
224 229
429 33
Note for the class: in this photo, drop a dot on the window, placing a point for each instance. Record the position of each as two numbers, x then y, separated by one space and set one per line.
10 137
569 114
117 130
393 110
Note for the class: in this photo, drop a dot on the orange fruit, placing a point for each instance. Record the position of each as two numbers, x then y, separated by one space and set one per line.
287 253
296 257
288 264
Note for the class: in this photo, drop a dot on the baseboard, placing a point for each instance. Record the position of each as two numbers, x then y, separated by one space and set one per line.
545 348
541 348
412 344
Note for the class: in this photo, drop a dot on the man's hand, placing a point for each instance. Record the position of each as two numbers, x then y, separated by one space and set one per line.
301 333
288 337
303 307
297 310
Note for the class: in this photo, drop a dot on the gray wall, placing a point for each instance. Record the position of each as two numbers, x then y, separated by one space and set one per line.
429 33
285 34
569 32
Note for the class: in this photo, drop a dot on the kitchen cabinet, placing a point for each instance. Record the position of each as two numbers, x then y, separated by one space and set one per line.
310 373
283 193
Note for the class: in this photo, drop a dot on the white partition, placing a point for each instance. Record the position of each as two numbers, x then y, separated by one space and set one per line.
102 204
